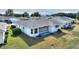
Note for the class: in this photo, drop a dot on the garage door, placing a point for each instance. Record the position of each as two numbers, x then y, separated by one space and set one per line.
43 29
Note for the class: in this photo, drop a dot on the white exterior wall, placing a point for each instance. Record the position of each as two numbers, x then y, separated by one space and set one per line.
2 37
13 20
62 26
35 34
27 31
52 29
66 25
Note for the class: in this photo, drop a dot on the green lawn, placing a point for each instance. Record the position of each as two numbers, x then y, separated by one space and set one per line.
14 42
70 40
66 39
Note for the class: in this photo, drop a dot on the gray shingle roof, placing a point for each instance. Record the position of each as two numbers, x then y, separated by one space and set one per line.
4 18
33 23
59 20
3 26
36 22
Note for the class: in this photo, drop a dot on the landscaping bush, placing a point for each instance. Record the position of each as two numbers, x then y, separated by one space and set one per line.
8 21
73 22
16 31
6 32
6 36
13 26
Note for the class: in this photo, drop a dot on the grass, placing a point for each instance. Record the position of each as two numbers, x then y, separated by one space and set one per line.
67 39
14 42
45 44
70 40
76 33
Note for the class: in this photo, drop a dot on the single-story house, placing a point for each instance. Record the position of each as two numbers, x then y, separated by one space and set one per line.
36 26
13 20
3 28
67 22
5 19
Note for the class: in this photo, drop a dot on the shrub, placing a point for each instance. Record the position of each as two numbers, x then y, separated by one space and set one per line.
16 31
6 32
13 26
73 22
6 36
1 21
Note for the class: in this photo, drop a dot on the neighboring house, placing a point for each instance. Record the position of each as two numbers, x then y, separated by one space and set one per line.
13 20
3 27
16 19
67 22
5 19
36 26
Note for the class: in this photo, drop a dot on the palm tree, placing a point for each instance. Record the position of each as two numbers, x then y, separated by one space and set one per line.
36 14
9 12
77 16
25 14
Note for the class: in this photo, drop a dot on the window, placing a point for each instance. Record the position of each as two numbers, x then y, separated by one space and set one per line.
23 27
31 31
36 30
56 26
43 29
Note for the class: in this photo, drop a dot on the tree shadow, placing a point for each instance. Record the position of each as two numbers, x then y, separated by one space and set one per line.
1 45
31 40
58 34
14 35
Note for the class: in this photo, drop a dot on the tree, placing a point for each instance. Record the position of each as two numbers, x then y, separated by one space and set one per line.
13 26
77 15
0 14
71 15
36 14
16 31
18 15
25 14
32 15
59 14
9 12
